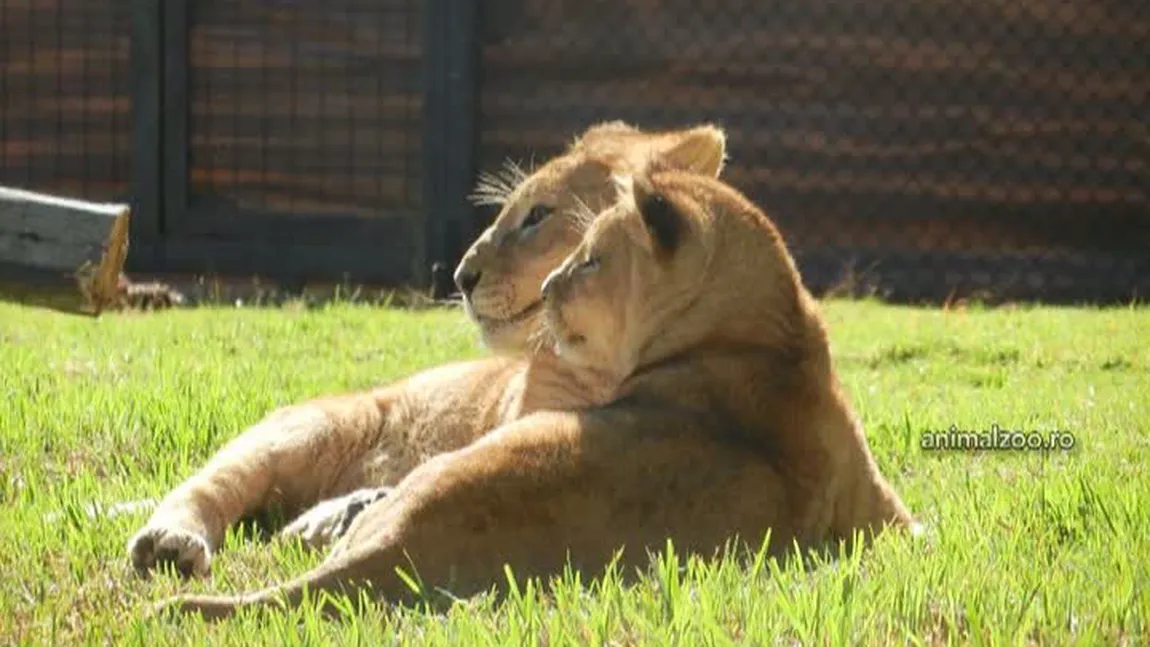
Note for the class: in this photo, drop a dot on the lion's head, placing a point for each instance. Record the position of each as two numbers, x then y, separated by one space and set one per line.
544 213
680 261
683 290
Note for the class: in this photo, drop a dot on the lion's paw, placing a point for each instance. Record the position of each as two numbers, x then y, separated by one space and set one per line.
158 546
329 520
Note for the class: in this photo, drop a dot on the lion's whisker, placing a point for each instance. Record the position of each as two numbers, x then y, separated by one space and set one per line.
541 336
582 216
493 188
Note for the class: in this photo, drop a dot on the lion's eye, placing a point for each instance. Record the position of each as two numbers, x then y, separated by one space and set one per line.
537 215
590 264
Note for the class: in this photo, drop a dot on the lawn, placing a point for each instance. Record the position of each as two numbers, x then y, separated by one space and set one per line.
1022 546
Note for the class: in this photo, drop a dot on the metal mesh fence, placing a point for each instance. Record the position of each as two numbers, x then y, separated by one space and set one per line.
305 107
920 149
65 97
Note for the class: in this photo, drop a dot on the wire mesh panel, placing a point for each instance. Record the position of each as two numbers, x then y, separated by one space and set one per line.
923 148
65 93
305 107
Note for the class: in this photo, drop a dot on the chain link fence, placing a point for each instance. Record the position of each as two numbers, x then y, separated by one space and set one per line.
305 107
65 97
914 149
917 149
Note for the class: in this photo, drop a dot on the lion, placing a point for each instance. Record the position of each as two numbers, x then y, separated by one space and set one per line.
727 421
337 455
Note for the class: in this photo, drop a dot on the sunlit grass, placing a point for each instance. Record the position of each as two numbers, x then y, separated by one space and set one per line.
1023 547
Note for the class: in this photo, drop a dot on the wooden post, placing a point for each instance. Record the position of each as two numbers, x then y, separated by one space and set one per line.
61 253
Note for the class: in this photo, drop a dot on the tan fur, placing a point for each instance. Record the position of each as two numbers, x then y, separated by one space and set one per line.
308 454
727 421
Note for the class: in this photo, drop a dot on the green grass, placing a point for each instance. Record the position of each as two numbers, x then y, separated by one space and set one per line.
1023 547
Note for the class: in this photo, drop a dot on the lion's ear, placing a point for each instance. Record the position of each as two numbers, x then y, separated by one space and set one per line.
603 130
699 150
663 222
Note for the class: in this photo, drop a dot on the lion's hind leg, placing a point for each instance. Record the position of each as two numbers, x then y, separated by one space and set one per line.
329 520
536 494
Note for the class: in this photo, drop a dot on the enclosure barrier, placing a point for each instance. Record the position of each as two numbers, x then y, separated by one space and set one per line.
913 149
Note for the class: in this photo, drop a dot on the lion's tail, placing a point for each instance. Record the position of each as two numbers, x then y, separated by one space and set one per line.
323 586
211 607
219 607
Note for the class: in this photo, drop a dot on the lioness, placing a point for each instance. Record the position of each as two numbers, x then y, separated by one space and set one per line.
727 420
338 451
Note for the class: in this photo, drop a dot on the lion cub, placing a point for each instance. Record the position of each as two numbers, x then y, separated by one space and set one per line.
727 420
353 446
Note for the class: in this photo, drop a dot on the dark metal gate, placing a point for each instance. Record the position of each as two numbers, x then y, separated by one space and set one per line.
280 137
291 136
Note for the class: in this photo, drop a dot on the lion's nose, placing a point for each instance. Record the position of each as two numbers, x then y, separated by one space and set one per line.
466 281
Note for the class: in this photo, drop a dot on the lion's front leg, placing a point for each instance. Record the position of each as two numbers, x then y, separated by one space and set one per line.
293 458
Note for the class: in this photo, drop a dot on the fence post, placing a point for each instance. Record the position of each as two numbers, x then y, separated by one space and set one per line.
175 101
450 71
146 115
